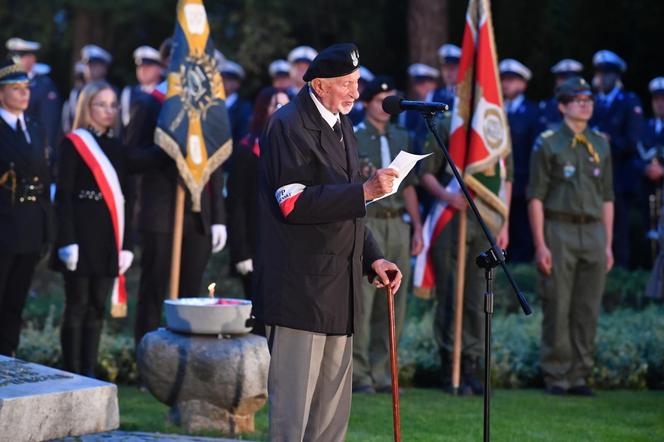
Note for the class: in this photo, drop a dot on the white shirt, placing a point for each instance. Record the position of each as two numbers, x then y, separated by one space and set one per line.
608 98
385 156
328 116
231 99
512 106
12 120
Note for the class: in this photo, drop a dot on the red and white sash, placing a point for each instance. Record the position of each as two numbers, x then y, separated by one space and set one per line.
109 185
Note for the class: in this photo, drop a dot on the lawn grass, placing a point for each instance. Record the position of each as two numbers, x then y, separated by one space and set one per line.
429 415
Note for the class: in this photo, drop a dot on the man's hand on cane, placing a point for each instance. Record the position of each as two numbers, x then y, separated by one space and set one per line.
387 273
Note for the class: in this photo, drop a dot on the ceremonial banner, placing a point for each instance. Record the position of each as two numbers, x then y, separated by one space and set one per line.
479 136
193 126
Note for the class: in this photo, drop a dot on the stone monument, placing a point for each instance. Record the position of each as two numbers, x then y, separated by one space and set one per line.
41 403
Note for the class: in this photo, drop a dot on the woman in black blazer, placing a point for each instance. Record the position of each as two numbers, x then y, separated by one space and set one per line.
89 232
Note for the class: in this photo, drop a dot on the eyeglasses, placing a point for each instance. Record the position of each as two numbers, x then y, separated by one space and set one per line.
113 107
581 101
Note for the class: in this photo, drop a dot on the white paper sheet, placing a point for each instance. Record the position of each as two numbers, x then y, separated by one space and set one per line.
403 164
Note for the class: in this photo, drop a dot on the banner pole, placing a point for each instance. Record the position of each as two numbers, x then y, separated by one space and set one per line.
176 254
458 306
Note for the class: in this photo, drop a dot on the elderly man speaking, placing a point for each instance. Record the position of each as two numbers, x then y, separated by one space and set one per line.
313 249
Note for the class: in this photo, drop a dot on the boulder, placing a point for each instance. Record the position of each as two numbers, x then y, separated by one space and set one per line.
210 383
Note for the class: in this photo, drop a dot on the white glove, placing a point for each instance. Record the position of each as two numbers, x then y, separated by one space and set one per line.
219 236
69 255
244 267
124 261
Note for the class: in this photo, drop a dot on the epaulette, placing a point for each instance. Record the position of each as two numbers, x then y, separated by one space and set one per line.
547 133
599 133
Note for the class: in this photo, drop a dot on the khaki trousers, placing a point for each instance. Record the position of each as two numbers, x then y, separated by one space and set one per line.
571 299
309 385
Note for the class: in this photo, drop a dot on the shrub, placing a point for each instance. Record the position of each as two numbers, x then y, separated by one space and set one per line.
116 362
629 350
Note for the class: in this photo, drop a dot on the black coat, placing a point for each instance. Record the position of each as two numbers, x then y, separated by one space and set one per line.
25 227
242 199
309 265
157 187
87 222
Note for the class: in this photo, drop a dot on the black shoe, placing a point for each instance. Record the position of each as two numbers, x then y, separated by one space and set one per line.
364 389
556 391
581 390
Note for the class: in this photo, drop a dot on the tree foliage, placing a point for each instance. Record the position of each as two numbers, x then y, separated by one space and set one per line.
254 32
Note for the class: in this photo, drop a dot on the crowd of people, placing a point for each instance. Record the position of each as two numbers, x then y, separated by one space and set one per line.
604 194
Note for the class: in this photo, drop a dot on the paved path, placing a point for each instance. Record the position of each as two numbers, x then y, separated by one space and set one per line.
136 436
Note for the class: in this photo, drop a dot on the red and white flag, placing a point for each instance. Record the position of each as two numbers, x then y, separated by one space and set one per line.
109 185
479 133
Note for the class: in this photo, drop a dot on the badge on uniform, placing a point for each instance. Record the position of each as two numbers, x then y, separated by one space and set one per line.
569 170
596 172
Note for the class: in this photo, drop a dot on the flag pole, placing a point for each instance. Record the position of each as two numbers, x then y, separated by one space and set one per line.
176 254
458 306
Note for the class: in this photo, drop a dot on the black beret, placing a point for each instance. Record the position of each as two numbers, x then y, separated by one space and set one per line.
572 87
380 83
335 61
12 73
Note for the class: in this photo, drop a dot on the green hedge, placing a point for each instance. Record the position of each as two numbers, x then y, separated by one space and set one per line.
629 350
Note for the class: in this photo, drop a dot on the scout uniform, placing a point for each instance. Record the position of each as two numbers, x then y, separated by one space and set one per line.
571 175
444 257
392 234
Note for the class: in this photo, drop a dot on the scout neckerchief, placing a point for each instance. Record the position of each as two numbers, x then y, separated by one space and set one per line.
109 185
581 138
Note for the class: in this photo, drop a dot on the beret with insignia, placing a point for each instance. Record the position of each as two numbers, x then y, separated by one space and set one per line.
335 61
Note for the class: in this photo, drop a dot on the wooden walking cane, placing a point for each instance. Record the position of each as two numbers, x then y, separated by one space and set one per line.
176 254
394 365
458 306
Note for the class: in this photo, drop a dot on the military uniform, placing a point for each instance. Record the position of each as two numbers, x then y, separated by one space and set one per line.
571 176
239 109
25 211
618 113
385 219
550 116
444 260
44 104
524 122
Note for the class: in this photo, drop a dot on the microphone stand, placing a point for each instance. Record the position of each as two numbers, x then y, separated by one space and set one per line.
488 260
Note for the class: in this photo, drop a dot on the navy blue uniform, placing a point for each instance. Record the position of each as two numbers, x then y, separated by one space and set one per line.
619 115
444 95
550 116
525 126
239 113
44 107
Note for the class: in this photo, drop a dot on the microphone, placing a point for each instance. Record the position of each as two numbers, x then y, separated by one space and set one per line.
394 105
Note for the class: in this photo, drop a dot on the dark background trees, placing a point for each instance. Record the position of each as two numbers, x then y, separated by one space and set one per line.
390 33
